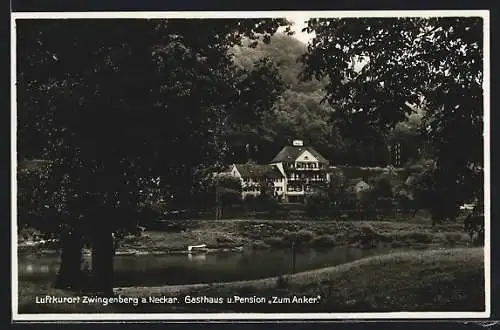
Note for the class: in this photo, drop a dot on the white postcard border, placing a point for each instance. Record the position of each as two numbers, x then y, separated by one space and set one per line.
251 316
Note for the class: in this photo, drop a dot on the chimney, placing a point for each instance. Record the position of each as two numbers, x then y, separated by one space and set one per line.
298 143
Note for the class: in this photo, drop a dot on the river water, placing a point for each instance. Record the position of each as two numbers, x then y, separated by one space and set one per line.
152 270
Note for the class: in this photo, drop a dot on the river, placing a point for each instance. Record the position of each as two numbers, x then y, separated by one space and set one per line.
178 269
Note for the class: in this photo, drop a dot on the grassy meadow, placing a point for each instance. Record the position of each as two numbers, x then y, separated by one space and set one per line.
427 280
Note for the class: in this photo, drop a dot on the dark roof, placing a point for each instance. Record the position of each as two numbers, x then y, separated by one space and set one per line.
258 171
291 153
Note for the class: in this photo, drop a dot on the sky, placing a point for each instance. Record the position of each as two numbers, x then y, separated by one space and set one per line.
300 23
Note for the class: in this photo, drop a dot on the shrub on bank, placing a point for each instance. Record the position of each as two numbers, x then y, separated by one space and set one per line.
301 236
318 204
452 239
29 234
281 282
418 237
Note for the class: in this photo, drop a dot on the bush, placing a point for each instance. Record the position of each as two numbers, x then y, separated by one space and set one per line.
231 197
281 282
382 187
318 204
262 203
249 199
267 203
304 235
404 202
228 181
29 233
301 236
451 239
366 236
418 237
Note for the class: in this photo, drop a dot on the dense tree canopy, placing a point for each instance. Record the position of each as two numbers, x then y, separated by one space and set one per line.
380 69
295 113
299 112
117 106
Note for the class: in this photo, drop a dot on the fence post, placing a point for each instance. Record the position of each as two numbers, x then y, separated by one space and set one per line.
218 203
293 257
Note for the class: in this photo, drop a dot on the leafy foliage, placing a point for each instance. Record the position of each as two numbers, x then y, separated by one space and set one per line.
318 204
119 118
432 63
39 203
296 113
228 181
120 107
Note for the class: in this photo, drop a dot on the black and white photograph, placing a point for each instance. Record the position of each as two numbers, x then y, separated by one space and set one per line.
257 165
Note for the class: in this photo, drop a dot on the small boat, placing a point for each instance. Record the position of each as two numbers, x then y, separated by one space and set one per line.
125 253
202 248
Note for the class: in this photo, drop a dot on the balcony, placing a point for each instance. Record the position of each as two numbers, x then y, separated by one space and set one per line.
295 179
295 192
317 179
307 168
306 179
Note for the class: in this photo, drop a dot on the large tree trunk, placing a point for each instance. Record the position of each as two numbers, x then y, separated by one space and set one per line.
70 273
103 251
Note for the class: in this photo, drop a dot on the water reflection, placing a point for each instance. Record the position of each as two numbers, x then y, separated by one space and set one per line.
197 257
32 268
201 268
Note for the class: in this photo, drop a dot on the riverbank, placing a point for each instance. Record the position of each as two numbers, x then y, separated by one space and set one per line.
431 280
438 280
236 235
262 234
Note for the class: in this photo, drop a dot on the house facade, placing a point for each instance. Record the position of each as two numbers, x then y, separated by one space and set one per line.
254 176
295 172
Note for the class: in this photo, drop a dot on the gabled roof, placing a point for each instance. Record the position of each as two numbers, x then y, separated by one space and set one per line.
291 153
258 171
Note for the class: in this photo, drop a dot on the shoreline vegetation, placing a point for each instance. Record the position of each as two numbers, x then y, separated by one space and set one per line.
237 235
399 281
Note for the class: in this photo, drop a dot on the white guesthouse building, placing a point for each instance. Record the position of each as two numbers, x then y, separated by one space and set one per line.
294 172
